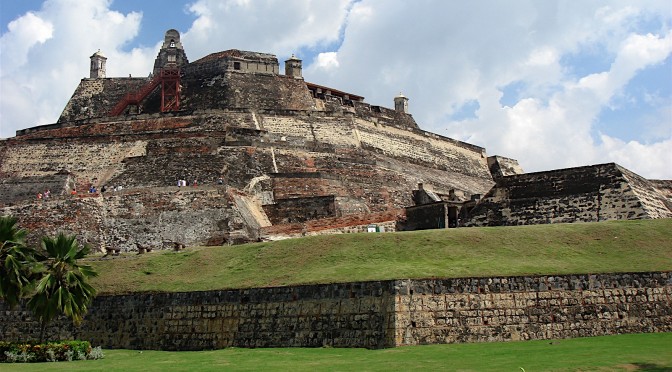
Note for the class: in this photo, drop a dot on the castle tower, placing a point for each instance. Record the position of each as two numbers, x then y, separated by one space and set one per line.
97 69
293 67
401 103
171 53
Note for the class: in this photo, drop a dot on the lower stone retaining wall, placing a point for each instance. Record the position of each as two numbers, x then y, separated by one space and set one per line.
531 308
371 314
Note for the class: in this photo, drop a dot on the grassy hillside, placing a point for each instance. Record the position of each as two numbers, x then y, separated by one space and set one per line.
618 246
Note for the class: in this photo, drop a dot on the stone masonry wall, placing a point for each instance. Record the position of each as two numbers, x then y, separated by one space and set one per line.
339 315
531 308
300 209
96 97
592 193
371 314
304 156
131 217
354 223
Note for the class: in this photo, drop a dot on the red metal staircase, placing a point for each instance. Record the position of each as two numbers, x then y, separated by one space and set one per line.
169 78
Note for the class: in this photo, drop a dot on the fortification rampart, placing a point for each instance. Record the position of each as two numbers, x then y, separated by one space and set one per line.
586 194
153 218
372 314
343 160
96 97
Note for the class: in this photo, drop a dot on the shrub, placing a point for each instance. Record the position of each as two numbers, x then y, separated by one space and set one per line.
13 352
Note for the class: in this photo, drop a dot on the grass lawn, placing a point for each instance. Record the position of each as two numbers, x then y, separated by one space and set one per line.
638 352
616 246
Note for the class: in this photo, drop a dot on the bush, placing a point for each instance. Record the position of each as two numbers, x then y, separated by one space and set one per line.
13 352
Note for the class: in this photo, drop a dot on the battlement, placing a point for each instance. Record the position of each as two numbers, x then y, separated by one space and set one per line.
581 194
235 60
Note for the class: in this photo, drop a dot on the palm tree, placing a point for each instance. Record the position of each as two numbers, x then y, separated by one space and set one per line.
62 287
16 261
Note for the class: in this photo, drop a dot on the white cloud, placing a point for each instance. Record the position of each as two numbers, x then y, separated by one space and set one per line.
326 61
275 26
46 52
447 54
24 33
653 160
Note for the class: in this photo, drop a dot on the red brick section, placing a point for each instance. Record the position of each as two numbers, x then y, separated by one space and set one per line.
112 128
335 222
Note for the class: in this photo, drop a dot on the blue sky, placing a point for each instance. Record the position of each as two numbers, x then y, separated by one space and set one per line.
553 84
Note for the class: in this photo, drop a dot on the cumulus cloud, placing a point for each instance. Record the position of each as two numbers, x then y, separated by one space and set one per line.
24 33
447 55
326 61
277 26
46 52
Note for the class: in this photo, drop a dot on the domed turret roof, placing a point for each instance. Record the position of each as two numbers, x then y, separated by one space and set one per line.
98 54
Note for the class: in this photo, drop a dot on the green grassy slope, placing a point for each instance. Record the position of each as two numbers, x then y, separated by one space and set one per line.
618 246
638 352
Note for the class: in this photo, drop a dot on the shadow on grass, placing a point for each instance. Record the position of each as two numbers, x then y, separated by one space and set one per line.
650 367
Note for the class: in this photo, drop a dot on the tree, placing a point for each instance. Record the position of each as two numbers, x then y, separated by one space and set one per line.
62 286
16 262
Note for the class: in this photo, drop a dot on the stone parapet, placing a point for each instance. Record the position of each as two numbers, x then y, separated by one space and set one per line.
531 308
371 314
583 194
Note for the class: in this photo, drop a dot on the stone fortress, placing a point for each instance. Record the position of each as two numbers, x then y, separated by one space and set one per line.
264 155
268 156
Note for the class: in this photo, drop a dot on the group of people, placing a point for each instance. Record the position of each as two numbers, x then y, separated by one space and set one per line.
92 190
45 195
184 183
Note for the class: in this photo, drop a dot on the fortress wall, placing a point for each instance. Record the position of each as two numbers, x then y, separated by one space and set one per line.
14 189
102 129
592 193
244 90
358 186
418 147
531 308
67 214
423 149
294 130
329 130
82 158
189 215
501 166
150 217
169 159
300 209
353 223
340 315
96 97
385 116
655 202
464 166
371 314
297 186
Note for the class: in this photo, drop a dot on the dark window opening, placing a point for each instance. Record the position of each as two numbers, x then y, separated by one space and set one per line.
236 65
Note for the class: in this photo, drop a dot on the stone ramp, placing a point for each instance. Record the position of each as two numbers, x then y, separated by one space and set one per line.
655 201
